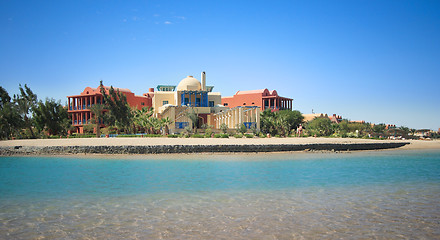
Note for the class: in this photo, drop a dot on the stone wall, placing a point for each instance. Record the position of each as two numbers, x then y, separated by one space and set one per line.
158 149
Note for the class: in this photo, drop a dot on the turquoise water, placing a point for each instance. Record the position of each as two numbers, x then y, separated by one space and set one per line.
386 194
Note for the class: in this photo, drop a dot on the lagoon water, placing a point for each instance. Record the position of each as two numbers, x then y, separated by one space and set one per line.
384 195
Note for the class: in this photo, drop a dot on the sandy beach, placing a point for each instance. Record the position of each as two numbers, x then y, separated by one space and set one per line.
414 144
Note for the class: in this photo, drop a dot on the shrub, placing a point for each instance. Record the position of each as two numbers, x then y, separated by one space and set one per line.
217 135
224 127
241 128
238 135
224 136
83 136
173 135
249 135
198 136
208 132
88 129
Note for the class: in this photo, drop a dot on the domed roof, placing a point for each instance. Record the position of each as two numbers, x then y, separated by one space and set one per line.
189 84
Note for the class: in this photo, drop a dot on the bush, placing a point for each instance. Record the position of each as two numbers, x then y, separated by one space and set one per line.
208 132
128 135
249 135
241 128
83 136
197 136
173 135
224 136
238 135
224 127
88 129
217 135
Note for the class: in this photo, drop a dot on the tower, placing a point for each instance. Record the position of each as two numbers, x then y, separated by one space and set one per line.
203 81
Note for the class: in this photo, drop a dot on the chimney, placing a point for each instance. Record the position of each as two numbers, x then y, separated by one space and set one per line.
203 81
151 90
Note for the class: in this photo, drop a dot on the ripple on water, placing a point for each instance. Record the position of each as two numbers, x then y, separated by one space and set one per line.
373 212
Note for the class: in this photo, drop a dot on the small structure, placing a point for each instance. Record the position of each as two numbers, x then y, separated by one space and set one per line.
263 98
249 116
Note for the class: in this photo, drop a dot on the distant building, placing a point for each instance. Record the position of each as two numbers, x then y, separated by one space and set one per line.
263 98
79 105
334 118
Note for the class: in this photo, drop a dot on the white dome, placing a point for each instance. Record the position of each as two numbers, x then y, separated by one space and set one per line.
189 84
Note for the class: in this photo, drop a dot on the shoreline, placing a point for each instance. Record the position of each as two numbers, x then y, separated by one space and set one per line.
138 146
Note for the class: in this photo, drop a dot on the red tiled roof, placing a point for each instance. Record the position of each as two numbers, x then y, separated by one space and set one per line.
250 92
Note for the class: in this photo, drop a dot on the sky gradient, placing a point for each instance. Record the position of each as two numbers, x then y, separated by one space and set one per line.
377 61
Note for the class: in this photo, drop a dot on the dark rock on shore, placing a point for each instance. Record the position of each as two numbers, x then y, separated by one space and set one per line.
160 149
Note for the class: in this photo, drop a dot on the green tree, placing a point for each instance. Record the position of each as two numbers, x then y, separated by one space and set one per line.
26 102
119 110
320 127
10 120
194 117
281 122
165 122
98 113
267 122
143 118
51 116
379 128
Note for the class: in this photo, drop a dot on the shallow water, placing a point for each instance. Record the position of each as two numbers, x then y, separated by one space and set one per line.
386 194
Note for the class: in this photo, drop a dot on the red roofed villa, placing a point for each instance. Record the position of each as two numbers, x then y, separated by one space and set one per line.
78 105
262 98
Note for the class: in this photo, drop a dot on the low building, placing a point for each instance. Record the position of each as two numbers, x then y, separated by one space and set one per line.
79 105
234 117
263 98
333 118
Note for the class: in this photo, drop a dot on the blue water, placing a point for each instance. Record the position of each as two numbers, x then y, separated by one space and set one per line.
386 194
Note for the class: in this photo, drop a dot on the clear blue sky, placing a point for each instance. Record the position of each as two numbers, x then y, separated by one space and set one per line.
377 61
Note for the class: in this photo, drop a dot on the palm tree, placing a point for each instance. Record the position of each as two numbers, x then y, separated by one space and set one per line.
166 121
98 112
194 117
143 118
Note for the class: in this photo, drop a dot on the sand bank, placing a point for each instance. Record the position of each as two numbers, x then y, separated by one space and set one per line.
189 145
414 144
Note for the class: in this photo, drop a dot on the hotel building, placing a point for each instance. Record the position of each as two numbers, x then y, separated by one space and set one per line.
79 105
263 98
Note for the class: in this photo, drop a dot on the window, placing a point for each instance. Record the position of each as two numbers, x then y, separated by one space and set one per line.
253 103
225 104
244 104
211 104
142 103
164 102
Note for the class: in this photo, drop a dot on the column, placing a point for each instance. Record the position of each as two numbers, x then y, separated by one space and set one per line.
257 118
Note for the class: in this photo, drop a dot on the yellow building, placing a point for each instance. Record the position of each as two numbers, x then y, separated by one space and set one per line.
176 102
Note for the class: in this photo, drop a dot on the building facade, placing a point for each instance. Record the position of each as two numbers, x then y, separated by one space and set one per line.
79 105
189 96
262 98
